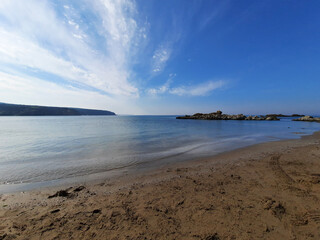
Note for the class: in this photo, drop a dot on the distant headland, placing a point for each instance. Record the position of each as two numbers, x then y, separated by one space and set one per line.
32 110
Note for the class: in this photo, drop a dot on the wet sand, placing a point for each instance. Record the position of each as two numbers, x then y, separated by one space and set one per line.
266 191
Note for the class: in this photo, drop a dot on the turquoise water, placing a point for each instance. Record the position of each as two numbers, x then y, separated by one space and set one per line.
45 150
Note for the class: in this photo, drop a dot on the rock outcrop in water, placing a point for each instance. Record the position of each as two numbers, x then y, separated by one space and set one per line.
308 119
282 115
219 116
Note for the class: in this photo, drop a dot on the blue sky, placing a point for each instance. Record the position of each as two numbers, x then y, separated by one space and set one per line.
162 57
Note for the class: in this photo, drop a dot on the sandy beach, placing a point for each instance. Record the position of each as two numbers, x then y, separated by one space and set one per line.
266 191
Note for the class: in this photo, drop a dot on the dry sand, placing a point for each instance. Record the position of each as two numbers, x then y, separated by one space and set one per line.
267 191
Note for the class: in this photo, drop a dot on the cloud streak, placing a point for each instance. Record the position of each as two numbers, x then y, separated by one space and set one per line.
162 89
96 54
16 88
202 89
61 47
160 58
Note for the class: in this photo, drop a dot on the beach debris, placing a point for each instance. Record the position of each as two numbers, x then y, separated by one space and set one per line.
78 189
3 236
315 178
180 203
61 193
213 237
279 210
55 211
96 211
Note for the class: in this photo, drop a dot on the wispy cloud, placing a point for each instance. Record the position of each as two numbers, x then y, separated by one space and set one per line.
17 88
97 53
160 58
35 35
160 90
202 89
218 10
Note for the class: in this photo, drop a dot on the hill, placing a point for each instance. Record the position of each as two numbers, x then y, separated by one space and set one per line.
30 110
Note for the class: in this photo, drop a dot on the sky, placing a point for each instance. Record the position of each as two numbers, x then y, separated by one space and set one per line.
162 57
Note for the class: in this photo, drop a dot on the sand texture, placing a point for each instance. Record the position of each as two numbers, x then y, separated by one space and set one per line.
267 191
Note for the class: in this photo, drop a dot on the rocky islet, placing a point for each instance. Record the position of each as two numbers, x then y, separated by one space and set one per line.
220 116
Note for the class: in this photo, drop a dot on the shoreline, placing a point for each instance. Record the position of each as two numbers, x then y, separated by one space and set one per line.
223 158
268 190
143 168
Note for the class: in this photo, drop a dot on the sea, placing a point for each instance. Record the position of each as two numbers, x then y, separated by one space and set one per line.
45 151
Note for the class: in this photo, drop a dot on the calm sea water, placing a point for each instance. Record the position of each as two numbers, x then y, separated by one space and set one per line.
39 151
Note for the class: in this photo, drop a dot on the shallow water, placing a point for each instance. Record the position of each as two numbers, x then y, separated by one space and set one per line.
43 150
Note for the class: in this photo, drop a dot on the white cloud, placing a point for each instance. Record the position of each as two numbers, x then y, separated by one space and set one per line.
192 90
23 52
119 26
197 90
34 35
15 88
162 89
219 9
160 58
88 49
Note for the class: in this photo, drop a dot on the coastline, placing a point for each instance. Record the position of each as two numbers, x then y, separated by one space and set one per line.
265 191
57 156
